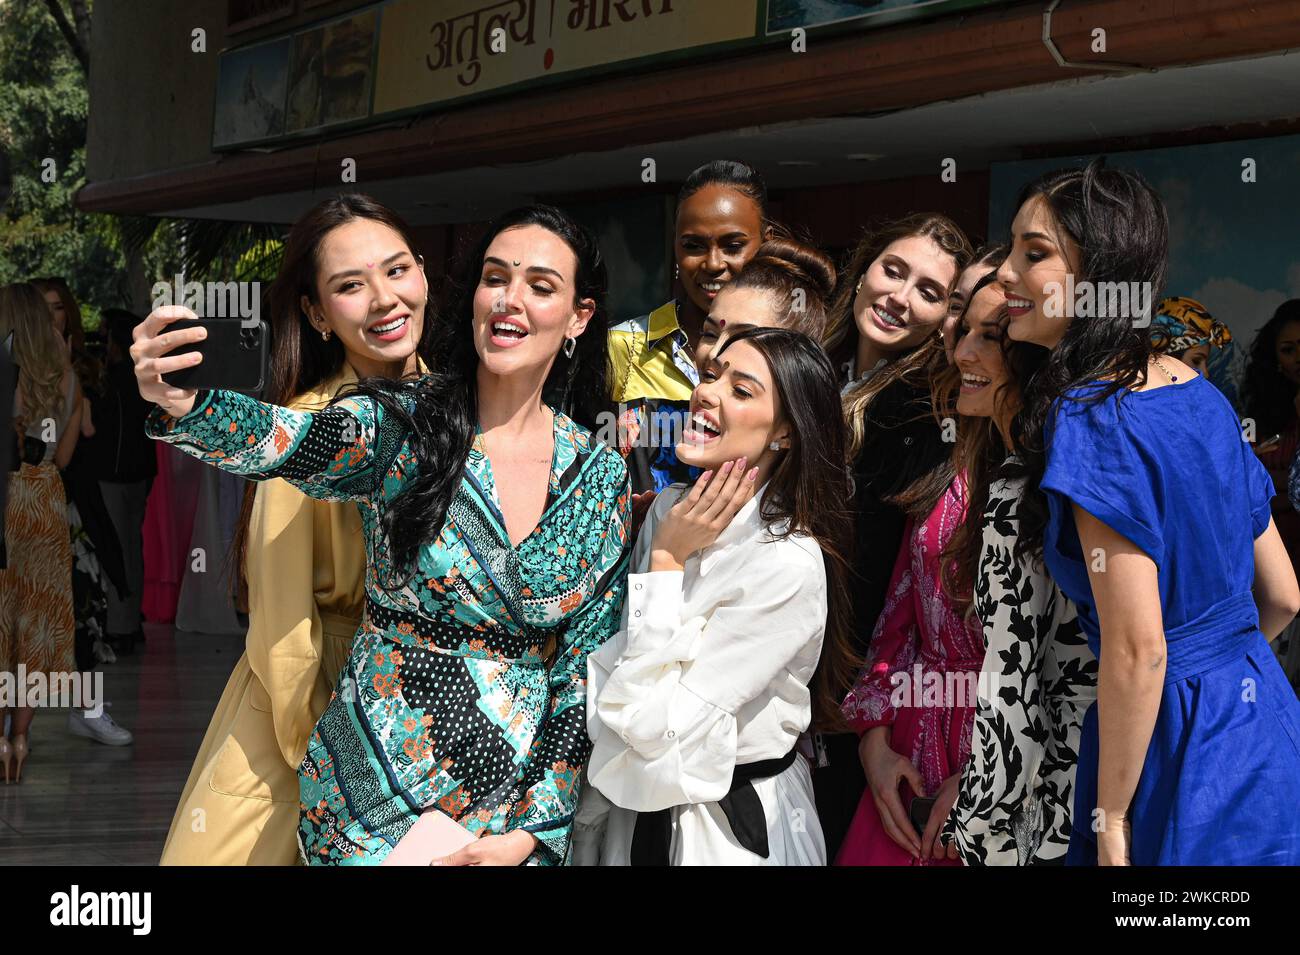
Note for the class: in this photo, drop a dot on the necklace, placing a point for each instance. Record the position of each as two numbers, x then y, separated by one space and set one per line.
1161 365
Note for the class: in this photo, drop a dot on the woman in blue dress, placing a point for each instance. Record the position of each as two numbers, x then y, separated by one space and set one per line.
496 536
1153 516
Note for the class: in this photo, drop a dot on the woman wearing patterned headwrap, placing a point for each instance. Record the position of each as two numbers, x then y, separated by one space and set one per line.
1184 329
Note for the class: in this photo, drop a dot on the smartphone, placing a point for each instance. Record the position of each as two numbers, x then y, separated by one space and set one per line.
918 810
234 355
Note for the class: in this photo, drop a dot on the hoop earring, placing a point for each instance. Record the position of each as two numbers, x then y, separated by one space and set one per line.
570 346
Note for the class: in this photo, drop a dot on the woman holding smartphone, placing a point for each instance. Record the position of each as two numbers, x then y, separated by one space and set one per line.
344 260
495 531
1153 516
736 633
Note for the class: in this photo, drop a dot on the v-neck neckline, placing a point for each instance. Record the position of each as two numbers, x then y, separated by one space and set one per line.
493 498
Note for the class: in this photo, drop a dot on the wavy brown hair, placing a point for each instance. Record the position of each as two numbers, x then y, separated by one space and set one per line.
841 338
980 450
37 351
809 488
90 370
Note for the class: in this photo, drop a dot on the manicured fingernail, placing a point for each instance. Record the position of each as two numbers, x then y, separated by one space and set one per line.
706 475
753 473
741 463
727 467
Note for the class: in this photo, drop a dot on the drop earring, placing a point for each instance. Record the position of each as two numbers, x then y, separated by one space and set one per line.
325 334
570 346
677 272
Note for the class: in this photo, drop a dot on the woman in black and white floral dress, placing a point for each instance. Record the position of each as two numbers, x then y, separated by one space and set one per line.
1014 803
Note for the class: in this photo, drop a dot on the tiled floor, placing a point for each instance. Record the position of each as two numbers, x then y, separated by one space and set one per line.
84 803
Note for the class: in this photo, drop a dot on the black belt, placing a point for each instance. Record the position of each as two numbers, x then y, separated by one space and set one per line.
653 835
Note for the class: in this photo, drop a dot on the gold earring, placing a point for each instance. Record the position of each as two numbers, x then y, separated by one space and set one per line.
858 287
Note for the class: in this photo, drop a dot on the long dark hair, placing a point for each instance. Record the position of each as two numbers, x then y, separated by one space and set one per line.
980 452
300 359
1121 229
439 411
1268 397
810 489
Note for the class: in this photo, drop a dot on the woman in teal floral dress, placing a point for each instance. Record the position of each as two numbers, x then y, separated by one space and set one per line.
466 686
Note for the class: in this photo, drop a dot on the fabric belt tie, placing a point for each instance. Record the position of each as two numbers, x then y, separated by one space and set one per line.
1221 634
653 835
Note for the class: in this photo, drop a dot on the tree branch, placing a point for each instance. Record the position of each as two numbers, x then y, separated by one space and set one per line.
74 41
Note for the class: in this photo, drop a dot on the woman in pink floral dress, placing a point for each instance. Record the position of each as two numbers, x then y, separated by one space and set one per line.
913 704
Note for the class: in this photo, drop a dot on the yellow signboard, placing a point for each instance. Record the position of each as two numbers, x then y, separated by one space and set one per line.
432 52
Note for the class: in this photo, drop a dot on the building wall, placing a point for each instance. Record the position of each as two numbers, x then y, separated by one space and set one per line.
142 69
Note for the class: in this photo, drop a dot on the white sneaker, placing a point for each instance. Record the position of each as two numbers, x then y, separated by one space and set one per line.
100 728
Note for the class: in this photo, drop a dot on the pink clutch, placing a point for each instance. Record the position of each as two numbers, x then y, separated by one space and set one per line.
434 835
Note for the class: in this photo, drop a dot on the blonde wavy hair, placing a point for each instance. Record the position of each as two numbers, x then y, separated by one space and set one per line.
841 339
37 351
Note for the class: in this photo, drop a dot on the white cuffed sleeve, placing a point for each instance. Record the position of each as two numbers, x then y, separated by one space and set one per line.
671 683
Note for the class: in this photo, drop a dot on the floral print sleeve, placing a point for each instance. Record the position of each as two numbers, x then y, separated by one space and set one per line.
550 797
339 454
1015 802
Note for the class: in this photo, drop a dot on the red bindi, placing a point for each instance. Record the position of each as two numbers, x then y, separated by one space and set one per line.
722 323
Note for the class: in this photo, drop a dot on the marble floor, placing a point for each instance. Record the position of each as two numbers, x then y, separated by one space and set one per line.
83 803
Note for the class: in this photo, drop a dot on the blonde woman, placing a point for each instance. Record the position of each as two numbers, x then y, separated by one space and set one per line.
36 619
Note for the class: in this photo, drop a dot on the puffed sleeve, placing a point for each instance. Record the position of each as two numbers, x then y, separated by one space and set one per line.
664 715
1101 459
1015 798
894 646
556 760
338 454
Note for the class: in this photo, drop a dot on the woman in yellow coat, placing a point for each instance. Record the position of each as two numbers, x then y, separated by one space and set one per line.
336 316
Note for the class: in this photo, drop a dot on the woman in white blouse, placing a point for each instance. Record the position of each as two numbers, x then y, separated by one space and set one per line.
735 629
